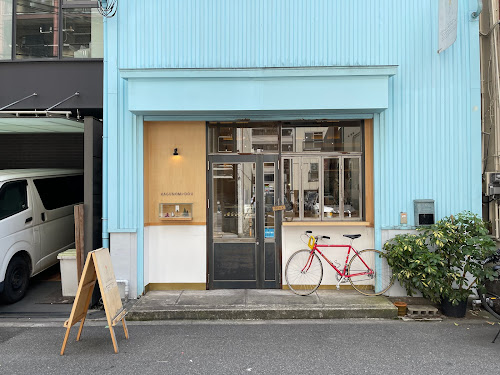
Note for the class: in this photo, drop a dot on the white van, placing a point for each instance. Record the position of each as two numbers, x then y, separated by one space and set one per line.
36 223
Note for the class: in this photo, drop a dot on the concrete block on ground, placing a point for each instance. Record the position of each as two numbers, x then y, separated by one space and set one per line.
422 310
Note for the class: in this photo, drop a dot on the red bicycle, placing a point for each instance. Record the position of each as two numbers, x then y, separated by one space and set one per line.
367 271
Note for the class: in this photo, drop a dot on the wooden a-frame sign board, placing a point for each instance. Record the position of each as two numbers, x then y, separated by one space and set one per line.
98 267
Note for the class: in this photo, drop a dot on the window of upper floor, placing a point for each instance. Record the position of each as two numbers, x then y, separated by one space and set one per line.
50 29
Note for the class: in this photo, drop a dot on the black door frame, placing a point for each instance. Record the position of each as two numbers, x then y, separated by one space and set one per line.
263 248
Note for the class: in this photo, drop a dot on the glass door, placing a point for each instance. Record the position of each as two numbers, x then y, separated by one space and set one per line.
242 222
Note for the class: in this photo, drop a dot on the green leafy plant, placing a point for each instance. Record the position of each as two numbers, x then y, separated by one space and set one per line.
443 260
416 267
462 242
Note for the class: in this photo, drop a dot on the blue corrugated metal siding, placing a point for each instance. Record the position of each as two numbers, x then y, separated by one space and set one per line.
264 33
427 144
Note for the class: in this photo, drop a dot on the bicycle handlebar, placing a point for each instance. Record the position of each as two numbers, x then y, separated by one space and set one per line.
317 237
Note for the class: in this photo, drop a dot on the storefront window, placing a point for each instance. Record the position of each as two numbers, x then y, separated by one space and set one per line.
287 137
325 187
265 139
37 31
345 136
291 184
331 184
247 140
352 188
310 187
82 33
321 169
5 29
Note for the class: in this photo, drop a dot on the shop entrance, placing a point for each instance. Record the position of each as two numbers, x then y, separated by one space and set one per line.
244 232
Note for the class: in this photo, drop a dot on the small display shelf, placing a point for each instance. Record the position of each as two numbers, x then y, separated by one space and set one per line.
176 211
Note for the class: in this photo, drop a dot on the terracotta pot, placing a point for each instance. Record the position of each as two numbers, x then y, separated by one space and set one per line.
401 307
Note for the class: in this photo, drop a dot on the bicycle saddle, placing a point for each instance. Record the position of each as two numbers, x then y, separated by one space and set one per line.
352 236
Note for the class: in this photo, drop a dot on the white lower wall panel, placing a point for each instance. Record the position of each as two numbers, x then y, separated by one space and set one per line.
123 250
175 254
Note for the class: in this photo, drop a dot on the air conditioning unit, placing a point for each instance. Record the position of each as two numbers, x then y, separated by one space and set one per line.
492 183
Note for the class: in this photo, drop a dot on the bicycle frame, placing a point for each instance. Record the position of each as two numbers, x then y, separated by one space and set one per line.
343 274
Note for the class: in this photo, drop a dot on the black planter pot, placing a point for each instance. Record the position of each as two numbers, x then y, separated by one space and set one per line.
457 311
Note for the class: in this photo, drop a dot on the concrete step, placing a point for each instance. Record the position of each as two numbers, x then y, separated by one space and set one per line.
259 304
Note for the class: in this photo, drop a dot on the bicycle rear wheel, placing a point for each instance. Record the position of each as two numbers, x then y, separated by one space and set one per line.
303 272
491 303
369 273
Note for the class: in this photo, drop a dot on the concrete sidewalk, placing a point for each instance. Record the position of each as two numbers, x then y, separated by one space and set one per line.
259 304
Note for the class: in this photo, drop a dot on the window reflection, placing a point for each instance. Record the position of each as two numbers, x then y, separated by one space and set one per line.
331 188
5 29
37 31
82 33
310 186
261 138
291 183
340 136
334 138
234 197
322 163
352 196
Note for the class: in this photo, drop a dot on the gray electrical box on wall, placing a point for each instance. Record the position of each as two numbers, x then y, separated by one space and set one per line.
424 211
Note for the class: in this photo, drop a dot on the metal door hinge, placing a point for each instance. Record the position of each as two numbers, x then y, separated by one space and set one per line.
208 203
208 165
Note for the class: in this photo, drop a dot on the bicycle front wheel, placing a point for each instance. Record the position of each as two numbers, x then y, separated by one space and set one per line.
369 273
303 272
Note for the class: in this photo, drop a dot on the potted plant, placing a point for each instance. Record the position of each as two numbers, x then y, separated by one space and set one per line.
416 267
444 260
462 242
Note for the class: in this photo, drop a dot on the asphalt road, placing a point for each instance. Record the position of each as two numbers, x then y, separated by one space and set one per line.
270 347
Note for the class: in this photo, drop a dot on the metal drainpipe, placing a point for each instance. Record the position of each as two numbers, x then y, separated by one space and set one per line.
476 14
105 233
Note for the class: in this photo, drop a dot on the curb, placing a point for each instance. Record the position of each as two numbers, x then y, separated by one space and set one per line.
263 314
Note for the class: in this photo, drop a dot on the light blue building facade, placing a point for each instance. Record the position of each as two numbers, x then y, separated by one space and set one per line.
306 76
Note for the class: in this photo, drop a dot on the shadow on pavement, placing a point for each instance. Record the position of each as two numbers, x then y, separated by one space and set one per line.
43 299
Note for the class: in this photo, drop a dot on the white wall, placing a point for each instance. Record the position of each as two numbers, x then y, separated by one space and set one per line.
292 241
175 254
123 250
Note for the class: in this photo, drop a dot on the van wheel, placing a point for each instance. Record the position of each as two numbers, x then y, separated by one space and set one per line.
16 280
